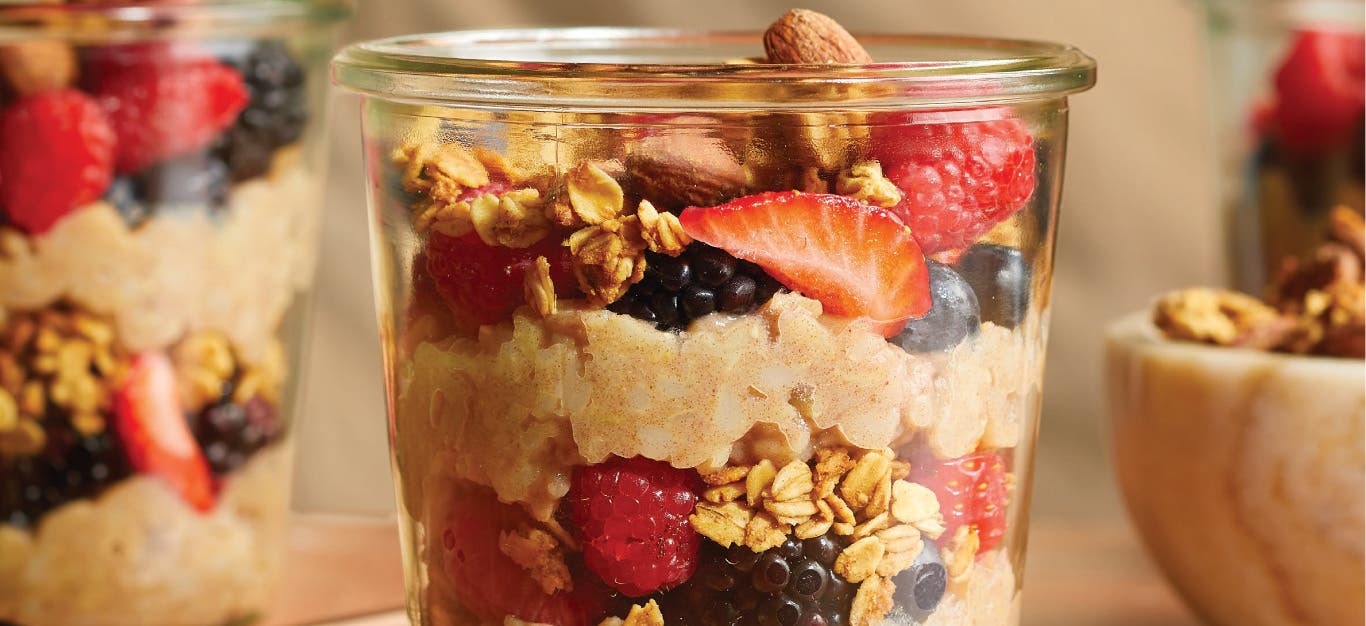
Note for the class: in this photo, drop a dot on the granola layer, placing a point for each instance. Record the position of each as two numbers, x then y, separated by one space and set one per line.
519 407
139 554
179 272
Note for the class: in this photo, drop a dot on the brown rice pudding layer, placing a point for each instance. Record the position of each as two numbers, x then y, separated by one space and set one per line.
236 272
541 396
139 554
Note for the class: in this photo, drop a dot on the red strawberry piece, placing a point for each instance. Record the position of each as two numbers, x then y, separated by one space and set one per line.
56 154
959 178
492 586
155 435
632 518
858 260
972 492
162 110
483 284
1321 89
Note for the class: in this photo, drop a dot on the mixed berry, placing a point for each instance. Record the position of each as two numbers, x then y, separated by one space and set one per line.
149 125
700 281
70 467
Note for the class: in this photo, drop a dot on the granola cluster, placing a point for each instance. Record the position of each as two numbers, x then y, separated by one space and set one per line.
862 495
1315 305
459 191
58 358
206 364
539 553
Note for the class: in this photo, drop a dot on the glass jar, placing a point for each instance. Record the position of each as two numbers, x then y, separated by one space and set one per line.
668 329
160 170
1288 103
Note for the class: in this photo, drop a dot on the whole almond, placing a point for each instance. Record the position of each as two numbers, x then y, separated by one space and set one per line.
804 36
679 171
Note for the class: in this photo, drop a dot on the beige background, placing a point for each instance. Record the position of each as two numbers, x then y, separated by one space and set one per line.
1139 212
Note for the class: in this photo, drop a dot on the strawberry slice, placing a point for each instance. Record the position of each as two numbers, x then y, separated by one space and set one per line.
972 491
154 433
858 260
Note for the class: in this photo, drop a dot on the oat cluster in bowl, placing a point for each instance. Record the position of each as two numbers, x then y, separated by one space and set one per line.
1237 428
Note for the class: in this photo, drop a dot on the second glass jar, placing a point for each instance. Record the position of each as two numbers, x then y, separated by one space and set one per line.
711 344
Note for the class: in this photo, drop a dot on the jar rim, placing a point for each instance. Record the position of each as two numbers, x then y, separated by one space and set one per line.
105 21
614 69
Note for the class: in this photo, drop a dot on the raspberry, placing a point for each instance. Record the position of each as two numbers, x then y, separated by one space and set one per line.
960 178
492 586
56 154
972 492
483 284
632 519
161 110
1319 90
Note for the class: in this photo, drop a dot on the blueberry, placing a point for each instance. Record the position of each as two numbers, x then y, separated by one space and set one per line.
920 588
822 548
808 580
772 573
765 287
1000 276
714 266
698 301
642 311
665 307
737 295
779 611
742 557
952 318
674 274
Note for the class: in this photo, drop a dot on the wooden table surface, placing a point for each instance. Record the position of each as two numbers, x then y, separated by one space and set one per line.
346 571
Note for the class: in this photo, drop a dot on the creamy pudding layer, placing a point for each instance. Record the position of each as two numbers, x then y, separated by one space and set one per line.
536 398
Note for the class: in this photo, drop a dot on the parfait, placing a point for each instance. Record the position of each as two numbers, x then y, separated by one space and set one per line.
678 334
159 198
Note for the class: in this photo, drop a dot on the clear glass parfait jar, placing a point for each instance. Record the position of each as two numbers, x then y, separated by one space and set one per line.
681 336
160 191
1289 85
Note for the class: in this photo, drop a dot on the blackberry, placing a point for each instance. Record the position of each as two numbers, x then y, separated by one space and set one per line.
230 432
791 585
953 316
697 283
275 116
70 467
